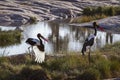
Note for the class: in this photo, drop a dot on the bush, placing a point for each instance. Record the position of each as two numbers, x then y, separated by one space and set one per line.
29 73
115 68
103 66
6 70
88 18
89 74
87 11
115 65
58 75
109 11
32 20
9 38
66 63
3 59
4 74
111 49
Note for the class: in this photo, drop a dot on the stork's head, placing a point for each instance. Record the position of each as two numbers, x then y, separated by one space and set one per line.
95 25
40 36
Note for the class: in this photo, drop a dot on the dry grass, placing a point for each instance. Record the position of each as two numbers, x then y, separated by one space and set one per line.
70 67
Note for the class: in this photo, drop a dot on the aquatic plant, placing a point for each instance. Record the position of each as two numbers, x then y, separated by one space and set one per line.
9 38
32 20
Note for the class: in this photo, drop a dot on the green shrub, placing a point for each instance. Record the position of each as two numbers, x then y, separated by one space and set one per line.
117 10
99 10
115 65
89 74
9 38
33 73
87 11
109 11
88 18
6 71
115 68
66 63
58 75
110 49
3 59
4 74
104 68
32 20
69 67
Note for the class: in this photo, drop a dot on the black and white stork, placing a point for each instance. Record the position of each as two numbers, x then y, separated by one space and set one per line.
90 40
38 47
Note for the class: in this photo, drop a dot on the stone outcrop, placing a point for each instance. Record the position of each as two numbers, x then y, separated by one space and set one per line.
110 24
18 12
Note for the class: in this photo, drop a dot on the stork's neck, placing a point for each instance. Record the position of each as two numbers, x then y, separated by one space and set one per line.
95 31
40 41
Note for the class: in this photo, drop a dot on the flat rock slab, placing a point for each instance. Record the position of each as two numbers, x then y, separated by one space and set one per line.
18 12
110 24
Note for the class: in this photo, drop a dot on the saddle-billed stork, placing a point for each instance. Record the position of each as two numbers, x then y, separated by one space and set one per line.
90 39
38 47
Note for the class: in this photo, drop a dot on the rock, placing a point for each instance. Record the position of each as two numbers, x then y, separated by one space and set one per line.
110 24
61 12
12 20
18 12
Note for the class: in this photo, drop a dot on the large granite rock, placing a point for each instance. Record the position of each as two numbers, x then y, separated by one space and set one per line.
110 24
18 12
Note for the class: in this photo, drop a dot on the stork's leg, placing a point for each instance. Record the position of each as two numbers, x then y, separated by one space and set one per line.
83 49
89 55
29 49
31 54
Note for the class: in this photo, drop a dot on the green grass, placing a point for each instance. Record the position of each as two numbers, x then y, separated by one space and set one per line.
109 11
9 38
70 67
111 49
95 13
89 74
89 18
32 20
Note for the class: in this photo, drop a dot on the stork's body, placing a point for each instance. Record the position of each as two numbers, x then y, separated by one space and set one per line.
37 47
90 40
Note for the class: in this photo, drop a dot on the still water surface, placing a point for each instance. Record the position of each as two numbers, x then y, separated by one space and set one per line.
61 36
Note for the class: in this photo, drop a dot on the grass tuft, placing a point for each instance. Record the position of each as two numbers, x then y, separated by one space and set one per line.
9 38
70 67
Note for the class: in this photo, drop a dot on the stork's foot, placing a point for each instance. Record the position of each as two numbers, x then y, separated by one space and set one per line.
82 53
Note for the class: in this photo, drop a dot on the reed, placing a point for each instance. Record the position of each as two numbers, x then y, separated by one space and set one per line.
9 38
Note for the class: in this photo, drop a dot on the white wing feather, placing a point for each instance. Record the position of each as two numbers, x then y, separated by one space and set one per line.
39 55
91 36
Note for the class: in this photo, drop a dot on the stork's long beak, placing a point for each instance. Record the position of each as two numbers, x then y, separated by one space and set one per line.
101 28
44 38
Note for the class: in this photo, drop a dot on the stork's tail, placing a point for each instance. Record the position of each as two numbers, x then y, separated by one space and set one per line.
39 55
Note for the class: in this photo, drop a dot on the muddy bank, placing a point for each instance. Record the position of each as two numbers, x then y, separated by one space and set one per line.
18 12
